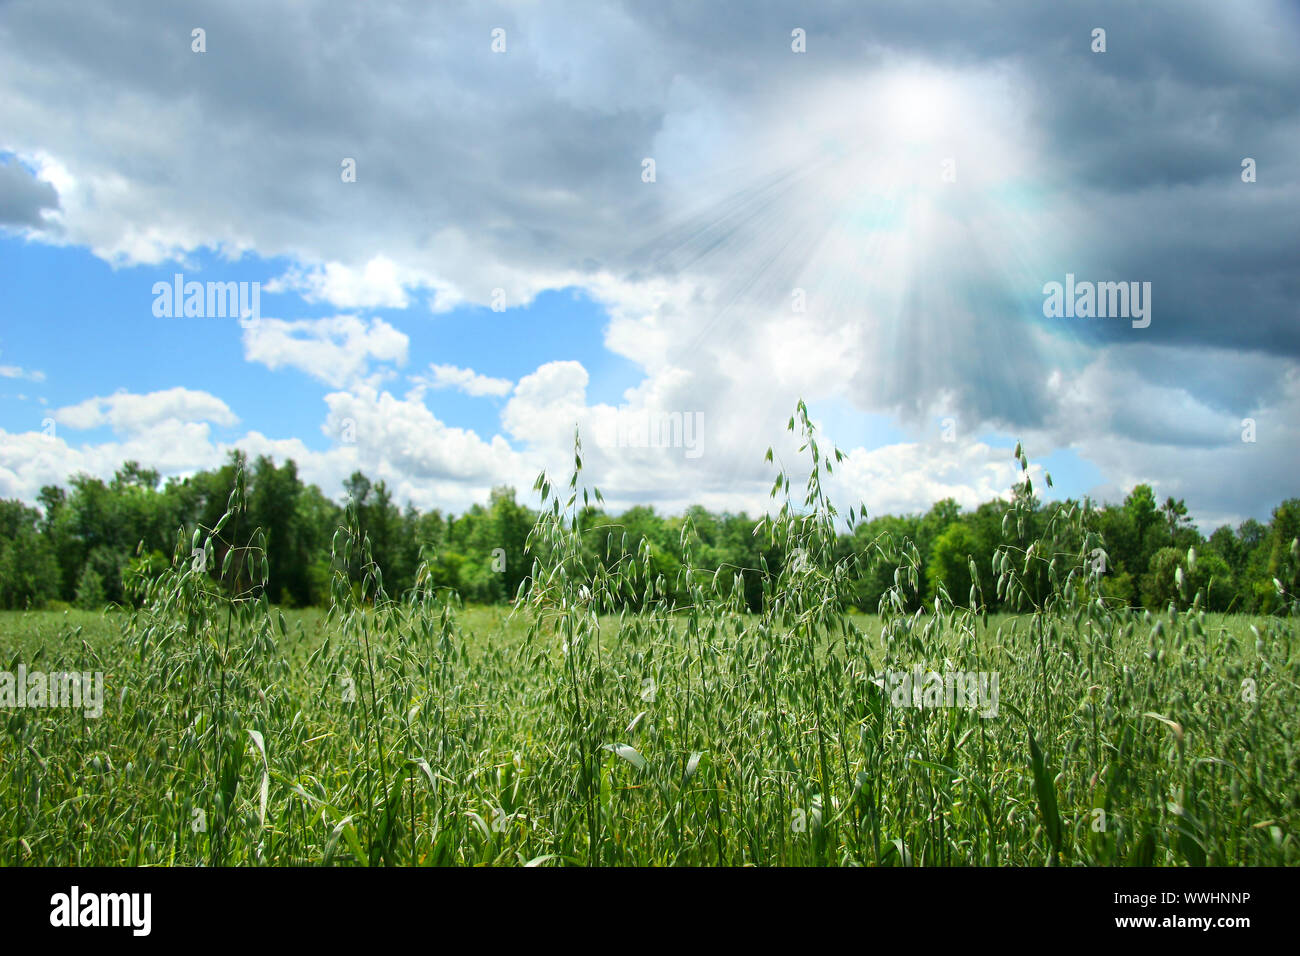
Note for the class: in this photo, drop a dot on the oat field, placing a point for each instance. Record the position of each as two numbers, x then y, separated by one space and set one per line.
409 730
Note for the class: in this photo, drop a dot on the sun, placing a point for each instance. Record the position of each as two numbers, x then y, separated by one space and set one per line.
918 107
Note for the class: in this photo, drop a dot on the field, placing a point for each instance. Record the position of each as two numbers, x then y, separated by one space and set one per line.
415 732
700 737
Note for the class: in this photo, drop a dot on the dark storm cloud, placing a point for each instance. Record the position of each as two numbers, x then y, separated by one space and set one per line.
1152 132
22 196
446 135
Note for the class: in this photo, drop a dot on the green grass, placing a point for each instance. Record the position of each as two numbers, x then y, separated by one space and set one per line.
414 732
479 767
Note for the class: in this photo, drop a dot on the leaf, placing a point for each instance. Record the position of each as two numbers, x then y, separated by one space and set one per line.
428 772
1176 727
1046 790
1144 851
265 777
629 754
1189 843
261 801
256 735
693 764
1044 785
348 832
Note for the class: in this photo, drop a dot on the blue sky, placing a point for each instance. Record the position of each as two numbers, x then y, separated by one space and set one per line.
869 223
108 339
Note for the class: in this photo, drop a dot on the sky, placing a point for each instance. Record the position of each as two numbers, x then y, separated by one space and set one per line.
474 228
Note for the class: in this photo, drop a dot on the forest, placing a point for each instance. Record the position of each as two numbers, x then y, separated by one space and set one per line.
95 543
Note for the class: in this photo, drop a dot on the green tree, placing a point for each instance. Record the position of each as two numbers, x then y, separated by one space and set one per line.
29 572
273 495
90 590
1140 505
950 558
1175 518
1284 545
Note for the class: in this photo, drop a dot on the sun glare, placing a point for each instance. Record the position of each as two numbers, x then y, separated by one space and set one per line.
916 107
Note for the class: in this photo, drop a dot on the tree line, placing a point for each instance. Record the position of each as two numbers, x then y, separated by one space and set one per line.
89 544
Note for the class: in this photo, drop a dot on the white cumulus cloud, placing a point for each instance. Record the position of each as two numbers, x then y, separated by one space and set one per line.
128 412
464 380
337 351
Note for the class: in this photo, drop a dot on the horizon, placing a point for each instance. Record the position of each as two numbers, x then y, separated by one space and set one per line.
341 500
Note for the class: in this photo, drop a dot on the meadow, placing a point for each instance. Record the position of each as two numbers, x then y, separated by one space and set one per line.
570 730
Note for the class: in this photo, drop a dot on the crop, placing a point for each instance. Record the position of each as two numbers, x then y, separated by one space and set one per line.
409 730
